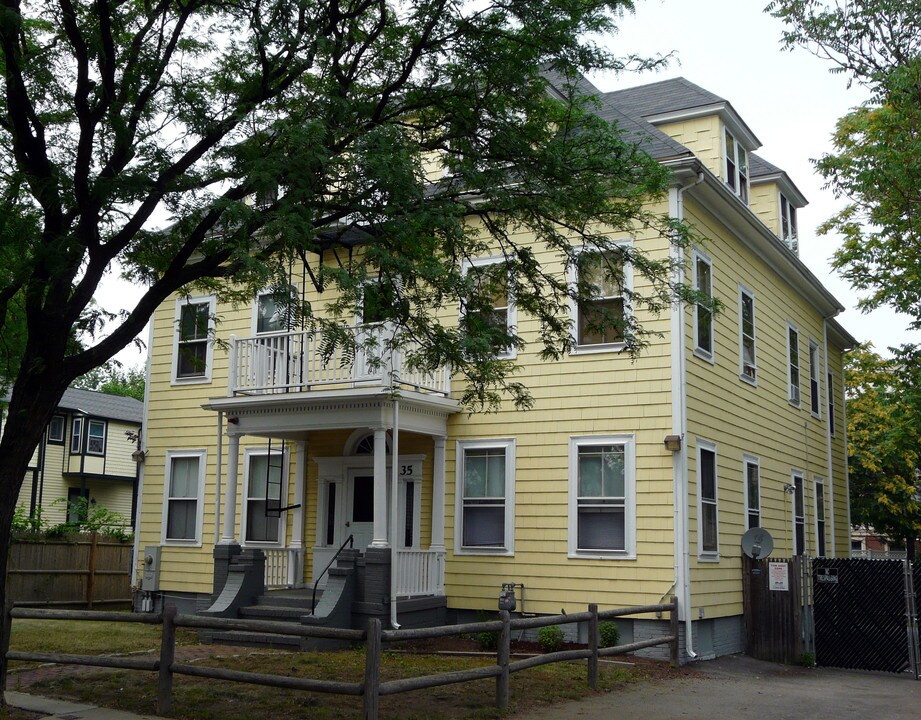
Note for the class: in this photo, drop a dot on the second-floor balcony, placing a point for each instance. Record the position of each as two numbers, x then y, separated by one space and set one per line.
289 362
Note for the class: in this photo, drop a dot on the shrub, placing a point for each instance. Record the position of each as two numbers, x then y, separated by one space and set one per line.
550 638
807 659
609 633
24 524
488 640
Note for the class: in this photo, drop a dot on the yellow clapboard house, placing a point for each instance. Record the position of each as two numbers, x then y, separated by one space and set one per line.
628 482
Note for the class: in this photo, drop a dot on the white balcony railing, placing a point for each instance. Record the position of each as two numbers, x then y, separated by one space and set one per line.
293 362
281 567
420 572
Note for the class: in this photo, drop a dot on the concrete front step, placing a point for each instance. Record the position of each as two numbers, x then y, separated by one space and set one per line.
257 639
274 612
288 598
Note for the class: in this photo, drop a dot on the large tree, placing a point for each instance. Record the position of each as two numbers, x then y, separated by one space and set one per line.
884 437
876 163
140 132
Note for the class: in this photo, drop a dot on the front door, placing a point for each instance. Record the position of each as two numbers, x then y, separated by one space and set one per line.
360 508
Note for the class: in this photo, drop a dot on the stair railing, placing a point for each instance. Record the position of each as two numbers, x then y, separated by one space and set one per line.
313 601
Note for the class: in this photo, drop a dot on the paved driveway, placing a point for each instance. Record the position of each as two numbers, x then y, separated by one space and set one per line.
739 688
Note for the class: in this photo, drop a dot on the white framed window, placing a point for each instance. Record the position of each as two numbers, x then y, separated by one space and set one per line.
830 389
788 232
183 504
815 402
793 365
748 358
492 278
600 324
96 437
485 497
798 510
268 315
56 429
751 483
703 313
819 517
708 541
265 488
192 347
602 496
410 498
736 165
76 435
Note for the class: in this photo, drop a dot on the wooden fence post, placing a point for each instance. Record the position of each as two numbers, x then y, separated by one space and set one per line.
502 660
6 625
593 646
674 628
167 655
373 670
91 575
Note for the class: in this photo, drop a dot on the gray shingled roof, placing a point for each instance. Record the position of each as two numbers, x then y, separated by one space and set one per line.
759 167
649 138
662 97
104 405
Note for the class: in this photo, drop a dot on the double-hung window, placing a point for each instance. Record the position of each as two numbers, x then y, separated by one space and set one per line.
489 314
799 514
819 517
264 488
708 519
96 437
184 497
270 316
703 310
752 492
485 496
192 356
814 390
56 429
788 231
602 496
736 167
747 358
76 435
793 365
601 322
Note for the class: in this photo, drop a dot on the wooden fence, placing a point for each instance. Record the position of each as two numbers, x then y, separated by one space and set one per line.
773 609
371 689
88 570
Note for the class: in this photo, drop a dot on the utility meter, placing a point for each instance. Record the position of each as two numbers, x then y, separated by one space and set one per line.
507 597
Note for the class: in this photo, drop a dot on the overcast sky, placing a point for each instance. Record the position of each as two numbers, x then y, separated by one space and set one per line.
789 99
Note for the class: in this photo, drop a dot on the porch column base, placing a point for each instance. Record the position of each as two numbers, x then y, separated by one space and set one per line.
223 556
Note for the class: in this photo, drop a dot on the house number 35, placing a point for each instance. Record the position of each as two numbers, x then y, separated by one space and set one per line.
406 470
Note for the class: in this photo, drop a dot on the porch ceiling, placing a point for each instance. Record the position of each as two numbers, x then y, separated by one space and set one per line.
293 414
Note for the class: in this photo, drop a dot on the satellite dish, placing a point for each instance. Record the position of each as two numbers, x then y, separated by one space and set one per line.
757 543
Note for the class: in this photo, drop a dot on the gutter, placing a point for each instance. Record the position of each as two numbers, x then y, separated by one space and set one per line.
679 428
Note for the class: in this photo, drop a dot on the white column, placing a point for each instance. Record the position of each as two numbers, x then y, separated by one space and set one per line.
380 489
300 499
228 536
438 494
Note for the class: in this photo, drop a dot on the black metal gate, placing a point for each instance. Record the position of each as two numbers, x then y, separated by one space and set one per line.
864 613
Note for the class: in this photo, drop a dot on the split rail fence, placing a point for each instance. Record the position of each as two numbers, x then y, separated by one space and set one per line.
372 688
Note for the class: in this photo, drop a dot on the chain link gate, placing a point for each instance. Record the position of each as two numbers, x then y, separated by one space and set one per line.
864 614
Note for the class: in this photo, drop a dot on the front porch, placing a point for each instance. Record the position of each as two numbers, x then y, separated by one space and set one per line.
350 451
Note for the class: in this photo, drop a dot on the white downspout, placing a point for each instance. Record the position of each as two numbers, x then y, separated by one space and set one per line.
143 448
394 511
679 427
830 488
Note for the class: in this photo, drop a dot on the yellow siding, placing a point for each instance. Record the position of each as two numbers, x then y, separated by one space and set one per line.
703 136
764 202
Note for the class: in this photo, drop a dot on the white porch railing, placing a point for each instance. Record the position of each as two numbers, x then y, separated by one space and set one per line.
293 362
420 572
281 567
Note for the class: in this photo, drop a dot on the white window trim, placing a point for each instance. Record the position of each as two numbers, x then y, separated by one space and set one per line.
746 461
254 324
512 312
417 510
702 353
58 440
792 241
708 555
509 445
798 400
202 456
80 435
574 309
248 453
815 366
745 195
816 482
629 443
830 402
105 429
794 474
743 293
209 357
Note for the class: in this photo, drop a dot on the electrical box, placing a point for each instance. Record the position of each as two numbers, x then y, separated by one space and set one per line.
150 580
507 598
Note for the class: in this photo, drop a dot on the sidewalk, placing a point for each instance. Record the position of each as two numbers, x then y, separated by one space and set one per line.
61 709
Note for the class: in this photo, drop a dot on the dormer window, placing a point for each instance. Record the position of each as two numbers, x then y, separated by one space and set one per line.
788 224
736 175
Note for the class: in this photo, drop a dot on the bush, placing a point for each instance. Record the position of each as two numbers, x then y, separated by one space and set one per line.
609 633
22 523
488 640
550 638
